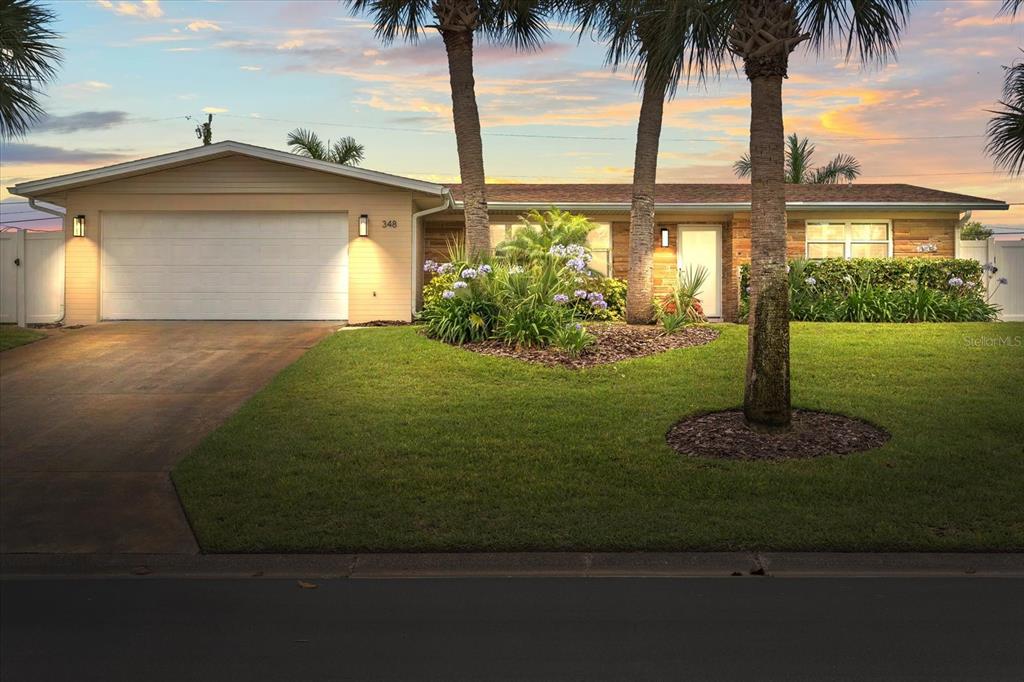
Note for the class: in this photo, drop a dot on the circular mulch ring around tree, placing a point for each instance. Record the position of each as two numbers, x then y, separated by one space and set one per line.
614 343
726 435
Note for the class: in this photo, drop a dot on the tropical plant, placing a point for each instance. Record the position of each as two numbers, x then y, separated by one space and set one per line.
1006 128
532 241
661 42
682 305
518 23
28 61
345 152
799 171
975 231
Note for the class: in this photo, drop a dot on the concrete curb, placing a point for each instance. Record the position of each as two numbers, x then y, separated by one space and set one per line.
513 564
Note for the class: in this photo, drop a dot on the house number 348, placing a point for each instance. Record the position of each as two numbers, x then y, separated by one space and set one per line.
389 224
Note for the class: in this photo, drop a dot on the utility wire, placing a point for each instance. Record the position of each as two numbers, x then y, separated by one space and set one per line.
579 137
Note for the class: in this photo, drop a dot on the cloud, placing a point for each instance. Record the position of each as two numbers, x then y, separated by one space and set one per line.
251 68
83 120
144 9
215 110
16 152
291 44
88 86
183 49
164 38
203 25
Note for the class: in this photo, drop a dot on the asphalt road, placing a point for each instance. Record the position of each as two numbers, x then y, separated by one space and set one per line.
630 629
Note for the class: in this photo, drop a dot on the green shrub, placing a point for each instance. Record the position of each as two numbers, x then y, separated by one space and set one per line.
975 231
434 288
613 293
533 305
883 290
573 338
681 306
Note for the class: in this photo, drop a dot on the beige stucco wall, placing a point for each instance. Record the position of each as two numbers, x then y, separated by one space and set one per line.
380 265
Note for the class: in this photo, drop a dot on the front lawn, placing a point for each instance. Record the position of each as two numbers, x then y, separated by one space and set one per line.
382 440
12 336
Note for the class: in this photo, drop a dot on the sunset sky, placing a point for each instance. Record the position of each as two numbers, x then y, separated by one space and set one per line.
134 70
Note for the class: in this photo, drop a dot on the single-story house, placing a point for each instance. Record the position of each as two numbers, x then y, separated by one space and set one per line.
236 231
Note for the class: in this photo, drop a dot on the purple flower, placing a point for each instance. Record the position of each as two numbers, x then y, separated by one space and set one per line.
580 293
460 285
594 296
444 268
484 269
990 267
955 282
448 293
599 305
429 266
811 281
468 273
561 298
577 264
579 327
1003 280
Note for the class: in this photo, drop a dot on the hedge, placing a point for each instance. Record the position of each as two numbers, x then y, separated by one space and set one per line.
888 273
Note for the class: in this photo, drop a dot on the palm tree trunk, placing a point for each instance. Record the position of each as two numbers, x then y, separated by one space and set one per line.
640 291
459 46
766 399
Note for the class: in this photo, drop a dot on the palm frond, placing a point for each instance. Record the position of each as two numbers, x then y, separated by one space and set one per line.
799 152
742 168
347 152
867 29
307 143
29 60
521 24
842 167
1010 7
394 19
1006 128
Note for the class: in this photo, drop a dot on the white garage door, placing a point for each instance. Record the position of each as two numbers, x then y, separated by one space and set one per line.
224 266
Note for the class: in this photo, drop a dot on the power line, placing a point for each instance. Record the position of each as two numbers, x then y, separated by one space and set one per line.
33 220
428 131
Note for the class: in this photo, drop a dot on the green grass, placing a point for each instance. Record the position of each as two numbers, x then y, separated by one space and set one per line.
382 440
12 336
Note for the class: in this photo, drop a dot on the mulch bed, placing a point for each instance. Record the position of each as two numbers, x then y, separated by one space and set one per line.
615 342
381 323
726 435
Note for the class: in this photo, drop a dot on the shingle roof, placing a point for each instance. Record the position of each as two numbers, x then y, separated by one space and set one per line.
723 194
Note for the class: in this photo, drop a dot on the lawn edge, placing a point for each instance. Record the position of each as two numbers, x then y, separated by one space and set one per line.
515 565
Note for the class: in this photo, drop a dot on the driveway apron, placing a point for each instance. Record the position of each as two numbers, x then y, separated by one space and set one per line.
93 420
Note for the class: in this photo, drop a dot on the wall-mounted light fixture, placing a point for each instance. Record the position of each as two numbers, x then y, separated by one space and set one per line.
364 225
664 236
78 226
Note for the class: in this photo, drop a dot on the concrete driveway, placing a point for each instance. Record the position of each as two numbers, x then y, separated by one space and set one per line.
93 420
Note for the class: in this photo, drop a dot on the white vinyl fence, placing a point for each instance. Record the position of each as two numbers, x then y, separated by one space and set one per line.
1008 256
31 276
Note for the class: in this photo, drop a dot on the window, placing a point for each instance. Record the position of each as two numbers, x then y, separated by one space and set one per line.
853 239
600 242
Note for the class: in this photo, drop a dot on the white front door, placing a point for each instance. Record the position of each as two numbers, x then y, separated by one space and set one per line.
701 245
224 266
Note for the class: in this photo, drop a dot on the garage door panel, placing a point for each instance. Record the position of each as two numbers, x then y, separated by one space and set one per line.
184 279
224 266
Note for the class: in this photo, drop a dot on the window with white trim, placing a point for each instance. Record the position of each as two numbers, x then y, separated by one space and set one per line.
848 239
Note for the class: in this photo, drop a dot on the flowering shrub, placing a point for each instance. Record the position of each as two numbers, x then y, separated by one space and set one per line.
536 304
885 290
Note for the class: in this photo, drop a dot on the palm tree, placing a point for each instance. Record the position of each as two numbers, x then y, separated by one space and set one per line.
28 61
798 170
763 33
661 42
519 23
345 152
1006 129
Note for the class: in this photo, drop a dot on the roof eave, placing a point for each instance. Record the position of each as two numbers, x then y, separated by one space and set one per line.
185 156
745 206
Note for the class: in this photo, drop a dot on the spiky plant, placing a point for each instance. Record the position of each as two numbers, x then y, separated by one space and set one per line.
28 61
540 231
